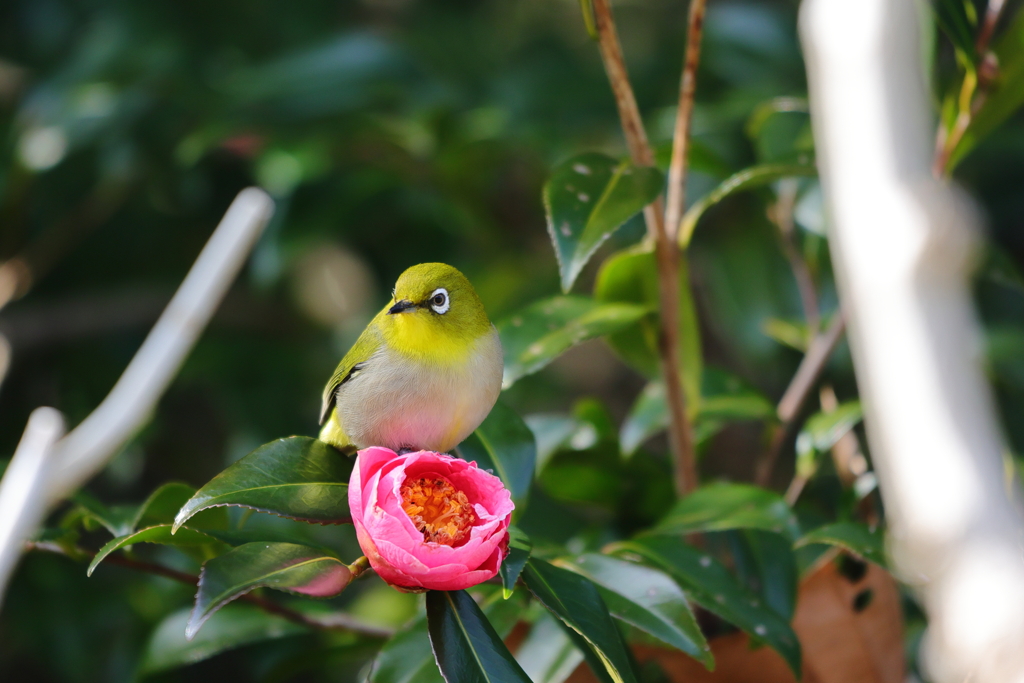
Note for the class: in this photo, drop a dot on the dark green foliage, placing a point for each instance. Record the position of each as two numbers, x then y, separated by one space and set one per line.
711 585
519 548
298 477
466 647
394 133
577 602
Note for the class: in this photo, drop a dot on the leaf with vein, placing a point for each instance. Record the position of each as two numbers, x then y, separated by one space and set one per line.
297 477
747 179
647 599
466 646
536 335
577 602
711 585
587 199
281 566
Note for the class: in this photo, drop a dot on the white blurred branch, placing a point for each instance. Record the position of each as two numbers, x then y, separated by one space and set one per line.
21 505
901 245
44 470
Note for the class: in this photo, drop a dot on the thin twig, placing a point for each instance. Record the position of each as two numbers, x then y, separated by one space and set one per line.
973 93
988 25
796 394
810 368
782 215
329 622
684 120
666 254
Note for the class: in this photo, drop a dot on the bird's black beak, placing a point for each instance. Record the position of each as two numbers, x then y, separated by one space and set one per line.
400 306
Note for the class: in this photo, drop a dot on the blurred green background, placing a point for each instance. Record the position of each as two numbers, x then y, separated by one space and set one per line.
390 132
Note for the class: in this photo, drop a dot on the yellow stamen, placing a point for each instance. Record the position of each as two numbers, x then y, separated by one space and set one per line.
440 511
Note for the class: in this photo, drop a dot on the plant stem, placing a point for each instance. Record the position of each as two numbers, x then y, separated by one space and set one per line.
974 91
782 215
329 622
988 25
811 367
684 120
666 254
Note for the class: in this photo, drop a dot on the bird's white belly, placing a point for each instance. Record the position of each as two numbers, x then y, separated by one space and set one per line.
398 403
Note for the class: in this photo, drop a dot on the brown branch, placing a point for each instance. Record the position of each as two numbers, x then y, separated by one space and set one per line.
810 368
684 119
329 622
988 25
973 93
666 255
796 394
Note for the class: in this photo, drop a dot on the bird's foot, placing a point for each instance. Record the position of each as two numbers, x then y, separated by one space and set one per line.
406 451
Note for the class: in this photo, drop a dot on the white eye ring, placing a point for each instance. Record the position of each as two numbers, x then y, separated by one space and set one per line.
439 301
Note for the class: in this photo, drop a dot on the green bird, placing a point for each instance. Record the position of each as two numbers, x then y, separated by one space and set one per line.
423 374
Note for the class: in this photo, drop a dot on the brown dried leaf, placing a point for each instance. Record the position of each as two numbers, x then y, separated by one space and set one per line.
841 643
846 636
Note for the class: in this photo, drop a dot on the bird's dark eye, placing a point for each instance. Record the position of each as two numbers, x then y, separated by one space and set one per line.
439 300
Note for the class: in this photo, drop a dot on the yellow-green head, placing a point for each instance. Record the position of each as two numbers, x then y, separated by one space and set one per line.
434 314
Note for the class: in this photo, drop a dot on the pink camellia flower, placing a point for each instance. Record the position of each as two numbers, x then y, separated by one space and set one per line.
427 520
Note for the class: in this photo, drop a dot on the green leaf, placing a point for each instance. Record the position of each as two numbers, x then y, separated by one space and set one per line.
776 568
711 585
766 110
822 432
647 599
747 179
231 627
631 276
117 519
1004 97
647 417
548 654
297 477
504 444
281 566
553 432
207 546
162 505
825 429
786 332
519 549
466 646
726 398
587 8
541 332
953 18
577 602
587 198
851 536
407 657
593 660
723 506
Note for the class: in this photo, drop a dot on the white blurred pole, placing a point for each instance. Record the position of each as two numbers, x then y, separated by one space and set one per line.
44 470
902 245
21 506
